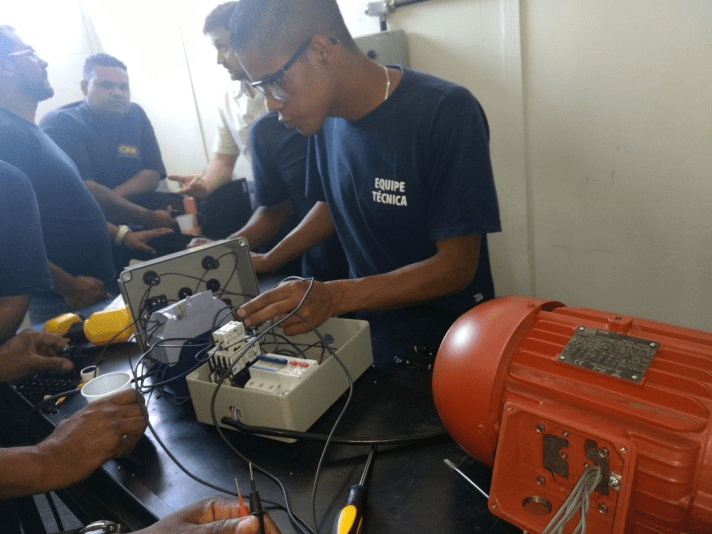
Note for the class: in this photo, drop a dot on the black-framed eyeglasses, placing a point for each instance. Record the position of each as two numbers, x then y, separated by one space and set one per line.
272 85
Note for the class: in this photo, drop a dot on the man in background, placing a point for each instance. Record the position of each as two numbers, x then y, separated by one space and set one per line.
76 235
23 263
113 144
240 107
105 429
279 167
278 157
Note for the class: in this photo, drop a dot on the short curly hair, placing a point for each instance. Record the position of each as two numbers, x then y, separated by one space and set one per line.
100 60
219 17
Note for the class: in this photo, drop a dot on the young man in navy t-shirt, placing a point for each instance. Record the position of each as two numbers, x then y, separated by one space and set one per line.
398 162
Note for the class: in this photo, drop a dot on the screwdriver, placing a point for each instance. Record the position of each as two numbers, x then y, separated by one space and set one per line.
256 503
242 509
350 518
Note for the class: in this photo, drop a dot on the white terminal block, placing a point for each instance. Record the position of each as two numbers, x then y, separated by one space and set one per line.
229 334
232 344
277 374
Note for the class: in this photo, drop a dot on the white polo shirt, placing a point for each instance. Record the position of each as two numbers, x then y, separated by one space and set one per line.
240 107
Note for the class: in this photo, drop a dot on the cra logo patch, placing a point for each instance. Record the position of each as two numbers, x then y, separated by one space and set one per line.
128 150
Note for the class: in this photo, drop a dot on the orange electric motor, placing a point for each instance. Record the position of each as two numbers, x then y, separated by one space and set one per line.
548 394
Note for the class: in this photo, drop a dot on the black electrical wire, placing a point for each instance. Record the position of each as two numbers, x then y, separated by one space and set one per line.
296 520
341 413
144 409
232 273
339 440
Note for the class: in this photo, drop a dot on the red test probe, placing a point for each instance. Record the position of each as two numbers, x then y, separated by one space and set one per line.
242 509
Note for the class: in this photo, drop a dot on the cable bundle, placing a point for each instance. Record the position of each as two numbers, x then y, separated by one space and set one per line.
578 501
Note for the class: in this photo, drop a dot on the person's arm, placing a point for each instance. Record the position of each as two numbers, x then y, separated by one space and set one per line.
144 181
151 163
448 271
107 428
12 312
78 291
29 351
217 173
216 515
118 210
138 240
316 226
264 223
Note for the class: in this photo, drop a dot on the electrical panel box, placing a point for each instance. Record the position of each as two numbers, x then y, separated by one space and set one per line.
220 277
296 407
386 48
223 267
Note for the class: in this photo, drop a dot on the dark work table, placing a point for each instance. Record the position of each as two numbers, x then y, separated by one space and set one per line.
410 489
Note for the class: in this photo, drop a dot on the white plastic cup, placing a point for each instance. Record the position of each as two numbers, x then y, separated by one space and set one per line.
187 223
105 385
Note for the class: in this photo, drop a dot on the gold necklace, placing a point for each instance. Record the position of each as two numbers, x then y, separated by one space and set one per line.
388 83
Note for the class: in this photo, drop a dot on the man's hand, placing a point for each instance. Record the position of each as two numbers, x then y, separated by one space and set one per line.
216 515
193 185
139 240
85 292
161 219
278 302
29 351
107 428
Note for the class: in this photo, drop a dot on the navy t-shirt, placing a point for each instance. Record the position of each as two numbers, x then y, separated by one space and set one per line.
413 171
279 163
106 153
74 229
279 157
23 263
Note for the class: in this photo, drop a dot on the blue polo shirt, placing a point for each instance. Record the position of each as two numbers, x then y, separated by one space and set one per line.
74 229
23 262
108 154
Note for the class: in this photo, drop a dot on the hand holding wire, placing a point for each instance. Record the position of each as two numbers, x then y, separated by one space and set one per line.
315 301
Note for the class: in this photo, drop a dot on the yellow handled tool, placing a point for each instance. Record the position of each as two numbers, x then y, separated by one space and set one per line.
350 518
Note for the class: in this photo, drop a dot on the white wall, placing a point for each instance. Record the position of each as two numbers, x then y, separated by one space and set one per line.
601 130
618 129
599 113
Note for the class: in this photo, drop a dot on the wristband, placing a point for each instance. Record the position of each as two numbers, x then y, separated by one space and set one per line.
123 230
